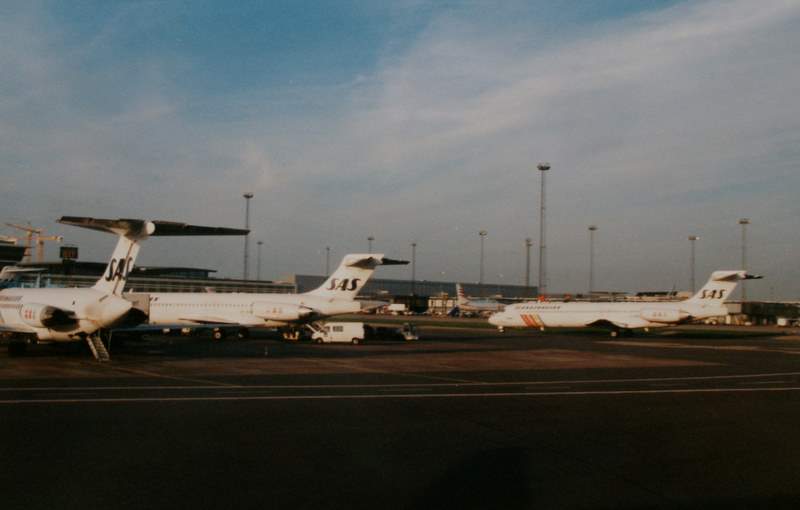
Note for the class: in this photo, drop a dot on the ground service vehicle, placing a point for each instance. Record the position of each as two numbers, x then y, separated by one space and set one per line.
339 332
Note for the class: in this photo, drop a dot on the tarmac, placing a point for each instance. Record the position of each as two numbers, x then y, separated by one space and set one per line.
462 418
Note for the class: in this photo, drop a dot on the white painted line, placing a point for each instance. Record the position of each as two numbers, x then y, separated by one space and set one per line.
400 396
403 385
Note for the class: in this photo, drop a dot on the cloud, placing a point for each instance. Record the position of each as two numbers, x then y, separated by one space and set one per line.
658 125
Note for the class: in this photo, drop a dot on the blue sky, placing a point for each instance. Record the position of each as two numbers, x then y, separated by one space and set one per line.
415 121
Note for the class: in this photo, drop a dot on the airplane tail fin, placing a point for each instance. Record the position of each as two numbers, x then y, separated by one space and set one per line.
352 274
720 285
461 296
131 232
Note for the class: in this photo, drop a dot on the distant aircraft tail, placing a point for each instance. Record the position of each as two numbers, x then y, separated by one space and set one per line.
461 296
352 274
720 285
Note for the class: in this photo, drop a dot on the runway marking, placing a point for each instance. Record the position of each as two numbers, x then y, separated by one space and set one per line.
368 370
673 345
400 385
402 396
163 376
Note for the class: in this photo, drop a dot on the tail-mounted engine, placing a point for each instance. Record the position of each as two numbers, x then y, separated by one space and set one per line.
279 312
44 316
664 316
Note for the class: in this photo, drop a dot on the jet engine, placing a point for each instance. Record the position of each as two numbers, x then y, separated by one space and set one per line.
664 316
280 312
44 316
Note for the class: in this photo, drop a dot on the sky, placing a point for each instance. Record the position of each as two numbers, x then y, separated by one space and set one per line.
415 121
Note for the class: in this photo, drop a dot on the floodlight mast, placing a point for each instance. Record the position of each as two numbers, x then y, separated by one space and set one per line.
543 168
744 222
247 196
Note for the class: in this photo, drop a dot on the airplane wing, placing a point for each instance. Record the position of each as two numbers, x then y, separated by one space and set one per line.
219 319
617 324
371 305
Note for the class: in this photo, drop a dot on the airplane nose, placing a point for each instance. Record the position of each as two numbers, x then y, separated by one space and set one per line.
494 319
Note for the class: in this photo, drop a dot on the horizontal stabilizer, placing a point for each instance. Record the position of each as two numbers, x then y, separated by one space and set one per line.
138 228
393 262
171 228
370 261
134 229
733 276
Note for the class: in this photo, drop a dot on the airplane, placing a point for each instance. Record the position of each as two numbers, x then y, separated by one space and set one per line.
624 316
466 306
46 315
288 312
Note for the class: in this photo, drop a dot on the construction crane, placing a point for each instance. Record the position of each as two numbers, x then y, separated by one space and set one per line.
33 236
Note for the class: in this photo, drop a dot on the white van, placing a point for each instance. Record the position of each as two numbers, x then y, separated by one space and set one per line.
344 332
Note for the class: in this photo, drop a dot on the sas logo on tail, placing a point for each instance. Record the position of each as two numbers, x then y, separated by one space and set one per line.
345 284
118 269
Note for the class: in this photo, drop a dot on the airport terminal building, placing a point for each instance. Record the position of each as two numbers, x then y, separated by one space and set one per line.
420 296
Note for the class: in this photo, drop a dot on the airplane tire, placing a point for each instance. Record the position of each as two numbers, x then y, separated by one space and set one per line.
216 334
614 334
355 341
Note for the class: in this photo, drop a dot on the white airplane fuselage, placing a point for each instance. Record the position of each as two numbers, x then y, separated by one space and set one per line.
708 302
252 310
626 315
336 296
61 315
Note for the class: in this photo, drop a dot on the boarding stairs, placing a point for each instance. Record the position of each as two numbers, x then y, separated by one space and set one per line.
98 348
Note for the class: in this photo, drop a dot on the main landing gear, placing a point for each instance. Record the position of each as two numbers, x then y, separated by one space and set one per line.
240 334
291 334
620 332
294 334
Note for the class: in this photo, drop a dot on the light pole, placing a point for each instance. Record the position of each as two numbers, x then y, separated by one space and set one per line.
327 260
258 260
542 167
592 230
247 196
413 269
369 241
528 244
744 222
692 240
482 233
